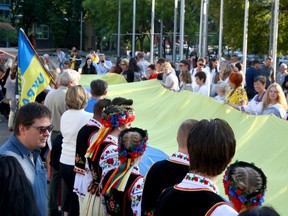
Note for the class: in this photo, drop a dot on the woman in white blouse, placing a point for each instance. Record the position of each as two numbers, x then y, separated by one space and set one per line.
71 122
254 106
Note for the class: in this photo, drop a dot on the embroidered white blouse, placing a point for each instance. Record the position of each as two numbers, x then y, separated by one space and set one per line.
193 181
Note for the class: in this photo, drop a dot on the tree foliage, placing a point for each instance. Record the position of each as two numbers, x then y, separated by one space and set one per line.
258 25
7 31
63 17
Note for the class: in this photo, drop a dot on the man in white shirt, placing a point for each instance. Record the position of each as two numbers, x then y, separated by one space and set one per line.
104 65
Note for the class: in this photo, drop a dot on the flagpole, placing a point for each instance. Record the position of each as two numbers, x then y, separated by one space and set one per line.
6 53
152 32
181 39
245 35
275 36
50 75
220 31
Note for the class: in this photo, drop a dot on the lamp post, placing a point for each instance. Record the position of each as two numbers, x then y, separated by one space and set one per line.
152 32
200 30
245 35
175 31
220 31
133 31
182 17
119 28
275 36
205 28
81 31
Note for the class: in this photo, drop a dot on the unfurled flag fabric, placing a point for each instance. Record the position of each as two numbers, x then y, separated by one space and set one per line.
32 77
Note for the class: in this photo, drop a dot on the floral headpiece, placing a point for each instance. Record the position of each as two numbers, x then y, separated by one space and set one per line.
119 116
239 197
120 176
136 149
112 117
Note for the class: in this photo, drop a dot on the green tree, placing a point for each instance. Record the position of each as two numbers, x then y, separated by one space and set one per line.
258 25
7 31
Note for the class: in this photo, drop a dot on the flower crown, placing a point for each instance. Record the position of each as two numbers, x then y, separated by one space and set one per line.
136 149
237 196
119 178
119 116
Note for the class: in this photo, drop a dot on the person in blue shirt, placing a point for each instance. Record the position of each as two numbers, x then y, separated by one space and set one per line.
31 132
103 65
98 90
251 74
16 191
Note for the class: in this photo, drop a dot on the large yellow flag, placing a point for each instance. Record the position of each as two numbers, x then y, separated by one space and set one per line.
32 77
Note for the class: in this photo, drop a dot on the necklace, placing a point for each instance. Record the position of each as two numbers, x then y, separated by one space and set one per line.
259 99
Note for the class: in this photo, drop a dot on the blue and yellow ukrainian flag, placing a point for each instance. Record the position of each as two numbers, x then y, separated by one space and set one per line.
32 77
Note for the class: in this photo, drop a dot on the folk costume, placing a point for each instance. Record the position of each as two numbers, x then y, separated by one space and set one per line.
122 187
83 175
238 196
102 155
163 174
195 195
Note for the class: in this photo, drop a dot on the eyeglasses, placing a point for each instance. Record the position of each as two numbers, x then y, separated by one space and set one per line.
122 64
201 64
43 129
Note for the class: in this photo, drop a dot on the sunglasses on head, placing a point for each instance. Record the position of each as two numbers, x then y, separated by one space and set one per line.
43 129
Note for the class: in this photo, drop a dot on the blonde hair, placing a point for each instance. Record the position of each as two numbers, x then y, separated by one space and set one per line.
166 65
247 179
76 98
125 61
280 99
226 71
186 76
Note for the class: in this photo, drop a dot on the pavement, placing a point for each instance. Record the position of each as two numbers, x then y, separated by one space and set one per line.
4 133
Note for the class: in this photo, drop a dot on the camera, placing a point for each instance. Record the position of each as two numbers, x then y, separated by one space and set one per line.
102 61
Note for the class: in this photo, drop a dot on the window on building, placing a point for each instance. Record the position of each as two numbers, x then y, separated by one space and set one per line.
41 31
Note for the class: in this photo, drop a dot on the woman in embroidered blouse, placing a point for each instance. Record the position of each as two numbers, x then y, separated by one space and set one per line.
245 185
185 78
122 187
254 106
275 101
237 96
102 154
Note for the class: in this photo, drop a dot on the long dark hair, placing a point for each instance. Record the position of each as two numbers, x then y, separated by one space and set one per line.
132 68
16 192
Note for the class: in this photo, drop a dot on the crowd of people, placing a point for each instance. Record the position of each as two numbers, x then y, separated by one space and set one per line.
93 156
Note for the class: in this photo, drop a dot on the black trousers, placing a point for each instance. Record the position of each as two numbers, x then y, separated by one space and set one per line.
71 203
